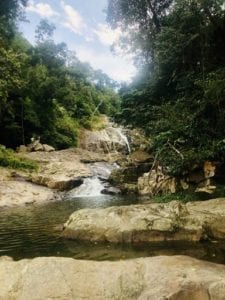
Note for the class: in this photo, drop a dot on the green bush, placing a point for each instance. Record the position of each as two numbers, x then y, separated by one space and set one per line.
9 159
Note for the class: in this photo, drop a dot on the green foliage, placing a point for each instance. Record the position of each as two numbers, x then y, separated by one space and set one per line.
178 97
44 89
9 159
141 20
190 195
44 31
10 12
182 196
66 130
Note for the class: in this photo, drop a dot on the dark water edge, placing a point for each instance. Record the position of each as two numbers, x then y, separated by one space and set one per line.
33 231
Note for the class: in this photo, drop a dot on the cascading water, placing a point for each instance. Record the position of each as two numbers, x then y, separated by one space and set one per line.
123 137
93 186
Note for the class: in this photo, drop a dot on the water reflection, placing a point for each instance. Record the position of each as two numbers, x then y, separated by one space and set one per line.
27 232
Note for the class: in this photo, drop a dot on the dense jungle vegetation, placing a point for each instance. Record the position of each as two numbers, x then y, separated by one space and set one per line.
178 98
44 89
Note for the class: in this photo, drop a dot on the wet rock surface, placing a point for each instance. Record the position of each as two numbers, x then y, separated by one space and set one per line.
108 140
126 177
157 278
174 221
58 171
111 191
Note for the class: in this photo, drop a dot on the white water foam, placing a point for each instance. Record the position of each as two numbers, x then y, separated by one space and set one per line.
123 137
91 187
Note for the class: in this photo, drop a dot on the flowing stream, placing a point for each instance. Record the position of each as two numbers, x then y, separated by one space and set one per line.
93 186
32 231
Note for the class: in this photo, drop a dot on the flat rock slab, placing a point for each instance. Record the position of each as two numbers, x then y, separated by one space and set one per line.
16 190
156 278
59 170
63 170
14 193
173 221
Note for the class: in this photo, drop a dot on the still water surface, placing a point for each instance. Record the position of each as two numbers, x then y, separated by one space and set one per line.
32 231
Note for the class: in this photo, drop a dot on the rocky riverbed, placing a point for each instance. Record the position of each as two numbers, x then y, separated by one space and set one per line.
58 171
61 171
160 277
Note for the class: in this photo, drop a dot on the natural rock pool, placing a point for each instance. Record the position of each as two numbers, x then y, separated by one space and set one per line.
31 231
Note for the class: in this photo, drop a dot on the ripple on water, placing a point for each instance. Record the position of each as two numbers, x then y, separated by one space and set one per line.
27 232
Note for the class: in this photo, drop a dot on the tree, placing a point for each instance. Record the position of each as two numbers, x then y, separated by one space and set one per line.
44 89
44 31
180 93
10 12
141 20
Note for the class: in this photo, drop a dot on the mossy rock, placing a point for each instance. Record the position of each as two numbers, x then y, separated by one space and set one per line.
129 188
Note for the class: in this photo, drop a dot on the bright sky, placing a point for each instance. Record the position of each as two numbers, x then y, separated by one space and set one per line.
81 25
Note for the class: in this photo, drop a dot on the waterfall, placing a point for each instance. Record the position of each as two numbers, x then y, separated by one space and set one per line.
123 137
93 186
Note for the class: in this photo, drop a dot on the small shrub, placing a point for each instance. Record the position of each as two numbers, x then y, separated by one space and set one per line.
9 159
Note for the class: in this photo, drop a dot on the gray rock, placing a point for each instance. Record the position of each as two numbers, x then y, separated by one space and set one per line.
150 222
111 191
156 278
38 147
108 140
22 149
35 145
48 148
19 192
60 170
61 183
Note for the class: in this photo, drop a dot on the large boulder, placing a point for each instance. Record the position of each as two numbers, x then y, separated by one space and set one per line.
108 140
150 222
156 278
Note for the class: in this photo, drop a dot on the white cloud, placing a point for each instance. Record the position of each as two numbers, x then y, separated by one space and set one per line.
73 20
116 67
42 9
106 35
